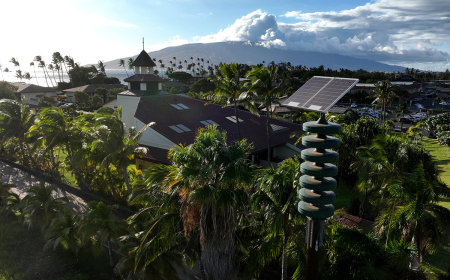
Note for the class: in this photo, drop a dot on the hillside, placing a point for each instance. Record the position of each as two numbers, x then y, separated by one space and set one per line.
243 53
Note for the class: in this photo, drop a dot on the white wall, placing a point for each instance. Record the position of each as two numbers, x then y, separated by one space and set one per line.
112 104
129 105
152 138
285 151
31 96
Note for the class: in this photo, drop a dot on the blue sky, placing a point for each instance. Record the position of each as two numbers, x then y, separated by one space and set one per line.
412 33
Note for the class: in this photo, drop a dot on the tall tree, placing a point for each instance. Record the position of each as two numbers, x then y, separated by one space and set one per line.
34 67
101 223
209 176
122 63
15 120
276 200
41 207
264 89
229 89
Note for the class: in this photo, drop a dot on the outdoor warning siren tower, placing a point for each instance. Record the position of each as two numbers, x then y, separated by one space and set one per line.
319 94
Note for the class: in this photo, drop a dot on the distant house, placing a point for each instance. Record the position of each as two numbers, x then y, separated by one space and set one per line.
367 87
178 118
29 91
89 89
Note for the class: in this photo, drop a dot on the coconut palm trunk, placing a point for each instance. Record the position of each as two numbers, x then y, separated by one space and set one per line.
111 261
284 260
268 134
127 180
218 246
237 120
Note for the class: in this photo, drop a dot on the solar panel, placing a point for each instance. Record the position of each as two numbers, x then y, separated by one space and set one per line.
320 93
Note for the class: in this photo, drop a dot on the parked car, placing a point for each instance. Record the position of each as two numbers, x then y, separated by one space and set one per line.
354 106
406 120
443 103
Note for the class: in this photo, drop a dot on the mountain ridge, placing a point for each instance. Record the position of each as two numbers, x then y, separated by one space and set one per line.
240 52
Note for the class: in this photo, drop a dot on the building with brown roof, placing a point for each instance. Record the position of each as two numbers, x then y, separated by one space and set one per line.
89 89
29 91
178 118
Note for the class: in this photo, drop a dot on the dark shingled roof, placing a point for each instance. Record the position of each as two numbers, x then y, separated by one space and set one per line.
144 78
144 59
30 88
93 87
157 155
348 220
253 128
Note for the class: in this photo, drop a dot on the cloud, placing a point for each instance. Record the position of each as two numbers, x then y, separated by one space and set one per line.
395 32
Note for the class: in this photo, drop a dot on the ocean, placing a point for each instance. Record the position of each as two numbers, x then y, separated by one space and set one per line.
39 78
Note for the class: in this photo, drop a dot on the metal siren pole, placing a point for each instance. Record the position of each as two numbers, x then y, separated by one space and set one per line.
317 193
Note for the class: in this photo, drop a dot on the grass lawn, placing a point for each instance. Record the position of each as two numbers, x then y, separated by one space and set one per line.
440 261
22 257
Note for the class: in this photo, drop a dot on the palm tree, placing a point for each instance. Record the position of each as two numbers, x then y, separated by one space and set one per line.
209 176
402 110
15 120
57 130
415 211
64 231
41 207
114 145
276 199
175 60
16 64
101 223
42 65
101 67
385 93
122 63
264 90
130 64
229 89
28 77
34 67
19 74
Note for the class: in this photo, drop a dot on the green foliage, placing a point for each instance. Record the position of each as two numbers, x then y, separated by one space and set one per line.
46 101
180 76
97 101
82 98
7 90
41 207
439 125
202 86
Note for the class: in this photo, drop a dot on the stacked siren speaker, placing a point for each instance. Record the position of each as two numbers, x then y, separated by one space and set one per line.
317 194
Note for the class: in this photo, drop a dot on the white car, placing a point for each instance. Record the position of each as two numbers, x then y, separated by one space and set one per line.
354 106
443 103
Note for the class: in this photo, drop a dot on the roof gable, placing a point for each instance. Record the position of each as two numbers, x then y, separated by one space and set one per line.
144 59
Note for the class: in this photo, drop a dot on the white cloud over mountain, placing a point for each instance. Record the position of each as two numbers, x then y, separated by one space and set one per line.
405 32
